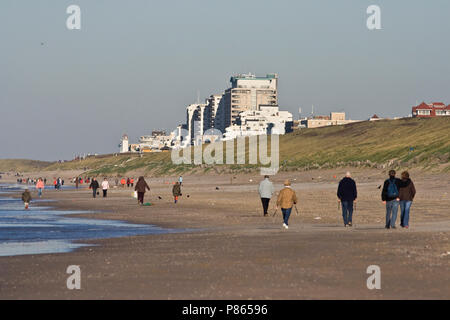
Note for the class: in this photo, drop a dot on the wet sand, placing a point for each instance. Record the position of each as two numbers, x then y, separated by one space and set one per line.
235 253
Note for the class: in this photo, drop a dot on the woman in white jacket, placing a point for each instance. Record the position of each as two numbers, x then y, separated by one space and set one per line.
105 187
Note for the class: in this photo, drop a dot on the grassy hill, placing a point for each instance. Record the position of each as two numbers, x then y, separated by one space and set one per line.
383 144
19 165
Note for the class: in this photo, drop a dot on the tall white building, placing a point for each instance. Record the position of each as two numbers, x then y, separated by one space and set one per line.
213 102
198 120
247 92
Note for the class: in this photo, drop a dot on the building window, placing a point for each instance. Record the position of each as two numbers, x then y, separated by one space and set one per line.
423 112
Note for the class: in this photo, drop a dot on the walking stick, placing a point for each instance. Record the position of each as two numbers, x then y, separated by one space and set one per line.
296 210
275 212
273 216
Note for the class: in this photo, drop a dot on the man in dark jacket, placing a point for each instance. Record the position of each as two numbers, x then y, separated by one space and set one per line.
347 194
94 186
390 197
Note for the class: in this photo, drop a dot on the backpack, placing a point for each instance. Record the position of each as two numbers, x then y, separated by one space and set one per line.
392 190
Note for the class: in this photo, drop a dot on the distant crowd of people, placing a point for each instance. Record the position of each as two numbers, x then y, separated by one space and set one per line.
30 181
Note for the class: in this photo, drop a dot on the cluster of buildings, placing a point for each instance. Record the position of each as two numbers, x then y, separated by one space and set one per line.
334 119
156 142
248 108
429 110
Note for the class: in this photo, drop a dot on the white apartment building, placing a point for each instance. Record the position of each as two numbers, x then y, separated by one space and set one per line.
267 120
198 120
247 92
213 102
156 141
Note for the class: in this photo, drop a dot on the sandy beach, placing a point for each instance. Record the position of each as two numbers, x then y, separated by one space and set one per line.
230 251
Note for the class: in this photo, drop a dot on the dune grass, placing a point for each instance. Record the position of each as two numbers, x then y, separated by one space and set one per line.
423 143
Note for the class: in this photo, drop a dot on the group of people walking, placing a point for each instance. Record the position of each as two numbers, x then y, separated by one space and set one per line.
129 182
94 186
398 192
395 193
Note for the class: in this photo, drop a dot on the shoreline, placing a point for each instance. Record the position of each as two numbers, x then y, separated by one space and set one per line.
238 254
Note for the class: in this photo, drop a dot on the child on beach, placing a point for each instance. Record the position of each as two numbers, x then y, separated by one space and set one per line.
26 198
176 191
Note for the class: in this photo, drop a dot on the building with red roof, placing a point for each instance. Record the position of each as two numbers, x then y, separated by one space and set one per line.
430 110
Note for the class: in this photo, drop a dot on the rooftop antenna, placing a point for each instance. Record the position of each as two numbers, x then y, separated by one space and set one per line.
312 111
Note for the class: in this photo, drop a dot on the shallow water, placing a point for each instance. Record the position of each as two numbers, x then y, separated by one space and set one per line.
42 230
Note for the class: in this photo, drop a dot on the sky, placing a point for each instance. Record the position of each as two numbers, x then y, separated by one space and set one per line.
134 66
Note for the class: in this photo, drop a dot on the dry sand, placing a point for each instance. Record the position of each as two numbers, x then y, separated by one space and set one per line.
235 253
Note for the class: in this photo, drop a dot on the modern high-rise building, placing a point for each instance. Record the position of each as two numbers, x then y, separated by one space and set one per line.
247 92
213 103
198 120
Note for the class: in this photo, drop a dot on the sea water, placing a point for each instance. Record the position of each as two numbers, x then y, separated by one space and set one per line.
43 230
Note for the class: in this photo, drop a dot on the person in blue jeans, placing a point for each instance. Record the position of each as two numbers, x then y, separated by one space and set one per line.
347 194
406 196
286 200
390 197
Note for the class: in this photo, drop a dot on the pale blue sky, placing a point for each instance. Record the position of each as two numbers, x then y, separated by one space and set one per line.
135 65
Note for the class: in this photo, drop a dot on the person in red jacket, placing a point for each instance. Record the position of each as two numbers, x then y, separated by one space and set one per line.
40 186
